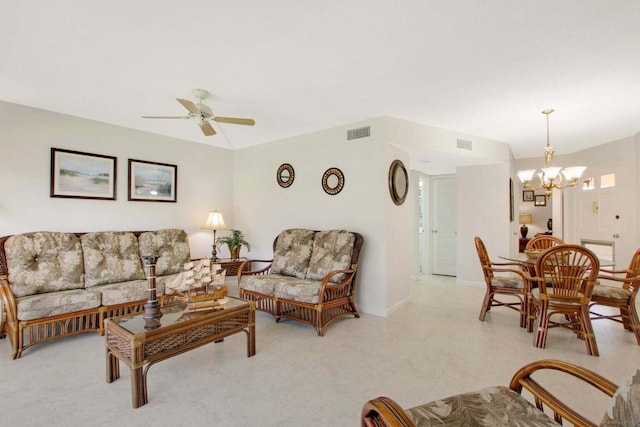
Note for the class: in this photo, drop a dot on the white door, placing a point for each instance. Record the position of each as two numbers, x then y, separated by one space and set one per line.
602 213
443 225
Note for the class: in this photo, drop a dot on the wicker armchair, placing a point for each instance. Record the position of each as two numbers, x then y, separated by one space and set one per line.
566 275
621 297
543 241
504 279
506 406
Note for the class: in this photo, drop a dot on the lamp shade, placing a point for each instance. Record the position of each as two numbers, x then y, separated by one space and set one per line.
526 219
214 221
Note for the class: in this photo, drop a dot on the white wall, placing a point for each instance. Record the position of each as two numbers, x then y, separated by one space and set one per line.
26 137
263 209
483 210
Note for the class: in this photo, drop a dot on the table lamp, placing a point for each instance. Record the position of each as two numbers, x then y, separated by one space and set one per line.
214 222
524 220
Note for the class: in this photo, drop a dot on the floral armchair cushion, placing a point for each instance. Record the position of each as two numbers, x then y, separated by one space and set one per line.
171 245
625 407
292 253
331 251
110 257
44 262
492 406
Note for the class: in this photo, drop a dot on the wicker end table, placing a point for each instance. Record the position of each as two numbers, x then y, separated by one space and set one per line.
140 343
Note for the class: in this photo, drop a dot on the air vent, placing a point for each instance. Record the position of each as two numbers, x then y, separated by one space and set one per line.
464 144
358 133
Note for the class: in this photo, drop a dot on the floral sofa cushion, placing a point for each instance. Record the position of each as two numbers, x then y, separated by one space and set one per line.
44 262
171 245
331 251
55 303
493 406
110 257
292 253
301 290
625 407
263 283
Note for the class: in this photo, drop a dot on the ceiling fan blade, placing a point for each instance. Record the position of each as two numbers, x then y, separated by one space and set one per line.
189 105
165 117
207 129
235 121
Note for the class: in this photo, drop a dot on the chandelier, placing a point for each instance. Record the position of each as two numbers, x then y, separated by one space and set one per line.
551 176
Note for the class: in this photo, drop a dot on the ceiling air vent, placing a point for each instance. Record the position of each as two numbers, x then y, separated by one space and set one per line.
358 133
464 144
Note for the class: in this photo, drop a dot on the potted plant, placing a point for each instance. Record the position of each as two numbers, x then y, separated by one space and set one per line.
234 241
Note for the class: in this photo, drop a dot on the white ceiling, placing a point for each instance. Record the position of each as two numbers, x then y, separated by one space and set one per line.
482 68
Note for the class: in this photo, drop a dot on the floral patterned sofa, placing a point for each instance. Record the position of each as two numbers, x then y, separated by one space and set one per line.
311 277
55 284
506 406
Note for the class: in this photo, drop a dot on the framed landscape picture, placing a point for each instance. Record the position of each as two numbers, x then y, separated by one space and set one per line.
527 195
152 182
540 200
79 175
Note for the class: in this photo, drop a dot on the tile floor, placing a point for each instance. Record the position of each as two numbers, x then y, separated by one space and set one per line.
433 347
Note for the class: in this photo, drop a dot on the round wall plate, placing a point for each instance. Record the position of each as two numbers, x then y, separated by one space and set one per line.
285 175
398 182
332 181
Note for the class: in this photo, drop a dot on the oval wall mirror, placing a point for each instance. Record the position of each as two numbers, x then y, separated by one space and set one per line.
285 175
332 181
398 182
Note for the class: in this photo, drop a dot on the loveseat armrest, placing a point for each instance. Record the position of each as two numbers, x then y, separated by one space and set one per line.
561 411
8 308
330 290
384 412
266 266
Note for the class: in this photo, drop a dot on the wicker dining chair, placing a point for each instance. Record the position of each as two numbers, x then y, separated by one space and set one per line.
566 275
543 241
621 297
502 279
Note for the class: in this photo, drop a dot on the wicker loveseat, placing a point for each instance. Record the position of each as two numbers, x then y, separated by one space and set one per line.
55 284
506 406
311 277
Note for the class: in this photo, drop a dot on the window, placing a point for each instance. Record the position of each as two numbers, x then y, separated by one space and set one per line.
608 180
588 183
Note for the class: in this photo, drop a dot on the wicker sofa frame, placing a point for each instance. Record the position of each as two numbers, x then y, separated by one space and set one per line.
27 333
335 300
383 411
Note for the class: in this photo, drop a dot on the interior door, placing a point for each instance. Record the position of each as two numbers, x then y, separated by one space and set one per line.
443 225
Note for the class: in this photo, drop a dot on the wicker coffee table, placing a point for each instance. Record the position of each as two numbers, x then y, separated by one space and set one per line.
140 343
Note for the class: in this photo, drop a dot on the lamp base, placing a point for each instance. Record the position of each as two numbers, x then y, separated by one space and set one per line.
523 231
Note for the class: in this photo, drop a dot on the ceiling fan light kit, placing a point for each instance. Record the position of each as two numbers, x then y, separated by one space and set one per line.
202 114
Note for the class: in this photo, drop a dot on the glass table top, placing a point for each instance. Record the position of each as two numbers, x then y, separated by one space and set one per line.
172 315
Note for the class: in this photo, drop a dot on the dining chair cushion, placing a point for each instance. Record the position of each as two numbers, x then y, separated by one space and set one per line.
625 404
507 282
614 292
535 293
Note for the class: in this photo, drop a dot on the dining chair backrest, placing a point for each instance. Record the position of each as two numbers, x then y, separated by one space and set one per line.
567 272
634 269
543 241
485 261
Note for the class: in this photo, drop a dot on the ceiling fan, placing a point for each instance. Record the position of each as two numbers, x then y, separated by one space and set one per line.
201 114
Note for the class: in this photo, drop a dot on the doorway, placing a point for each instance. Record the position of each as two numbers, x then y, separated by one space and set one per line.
443 225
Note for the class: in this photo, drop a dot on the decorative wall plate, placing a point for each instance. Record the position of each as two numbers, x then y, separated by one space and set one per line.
398 182
285 175
332 181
